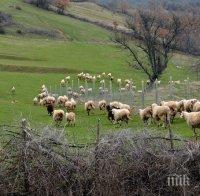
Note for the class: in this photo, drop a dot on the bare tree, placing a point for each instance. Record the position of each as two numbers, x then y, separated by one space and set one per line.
157 33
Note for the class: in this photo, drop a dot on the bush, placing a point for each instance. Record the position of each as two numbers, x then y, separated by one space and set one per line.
123 163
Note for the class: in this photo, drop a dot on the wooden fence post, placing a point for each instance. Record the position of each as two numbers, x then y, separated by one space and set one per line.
156 89
24 170
170 88
188 88
171 138
142 94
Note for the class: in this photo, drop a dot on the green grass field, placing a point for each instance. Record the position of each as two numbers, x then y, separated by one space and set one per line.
81 47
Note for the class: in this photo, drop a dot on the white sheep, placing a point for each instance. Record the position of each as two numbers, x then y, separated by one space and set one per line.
42 95
71 118
58 116
35 101
196 107
188 104
192 119
89 105
173 108
145 114
161 113
62 99
67 78
121 115
13 90
70 105
62 83
102 105
89 90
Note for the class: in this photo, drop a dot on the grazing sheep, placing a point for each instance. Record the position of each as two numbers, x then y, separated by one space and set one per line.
71 118
146 114
119 105
115 104
42 95
180 106
58 116
90 105
73 103
35 101
161 113
62 99
196 107
188 104
82 91
13 90
119 80
67 78
173 108
102 105
62 83
192 119
89 90
116 115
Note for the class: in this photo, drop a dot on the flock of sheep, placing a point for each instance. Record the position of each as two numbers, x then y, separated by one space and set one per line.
165 112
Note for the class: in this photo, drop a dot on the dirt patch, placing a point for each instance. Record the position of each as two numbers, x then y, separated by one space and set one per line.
31 69
19 58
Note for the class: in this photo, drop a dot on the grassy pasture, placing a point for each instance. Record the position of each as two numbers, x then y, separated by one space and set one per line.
28 61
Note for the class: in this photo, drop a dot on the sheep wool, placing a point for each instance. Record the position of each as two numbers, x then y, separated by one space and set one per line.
145 114
71 118
102 105
90 105
161 113
196 107
192 119
58 115
121 115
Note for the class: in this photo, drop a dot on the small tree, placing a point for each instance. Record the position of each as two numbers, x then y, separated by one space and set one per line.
158 37
61 5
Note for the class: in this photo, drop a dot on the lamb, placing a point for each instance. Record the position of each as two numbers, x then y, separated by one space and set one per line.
90 105
161 113
71 118
196 107
102 105
188 104
173 108
192 119
58 116
146 114
116 115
